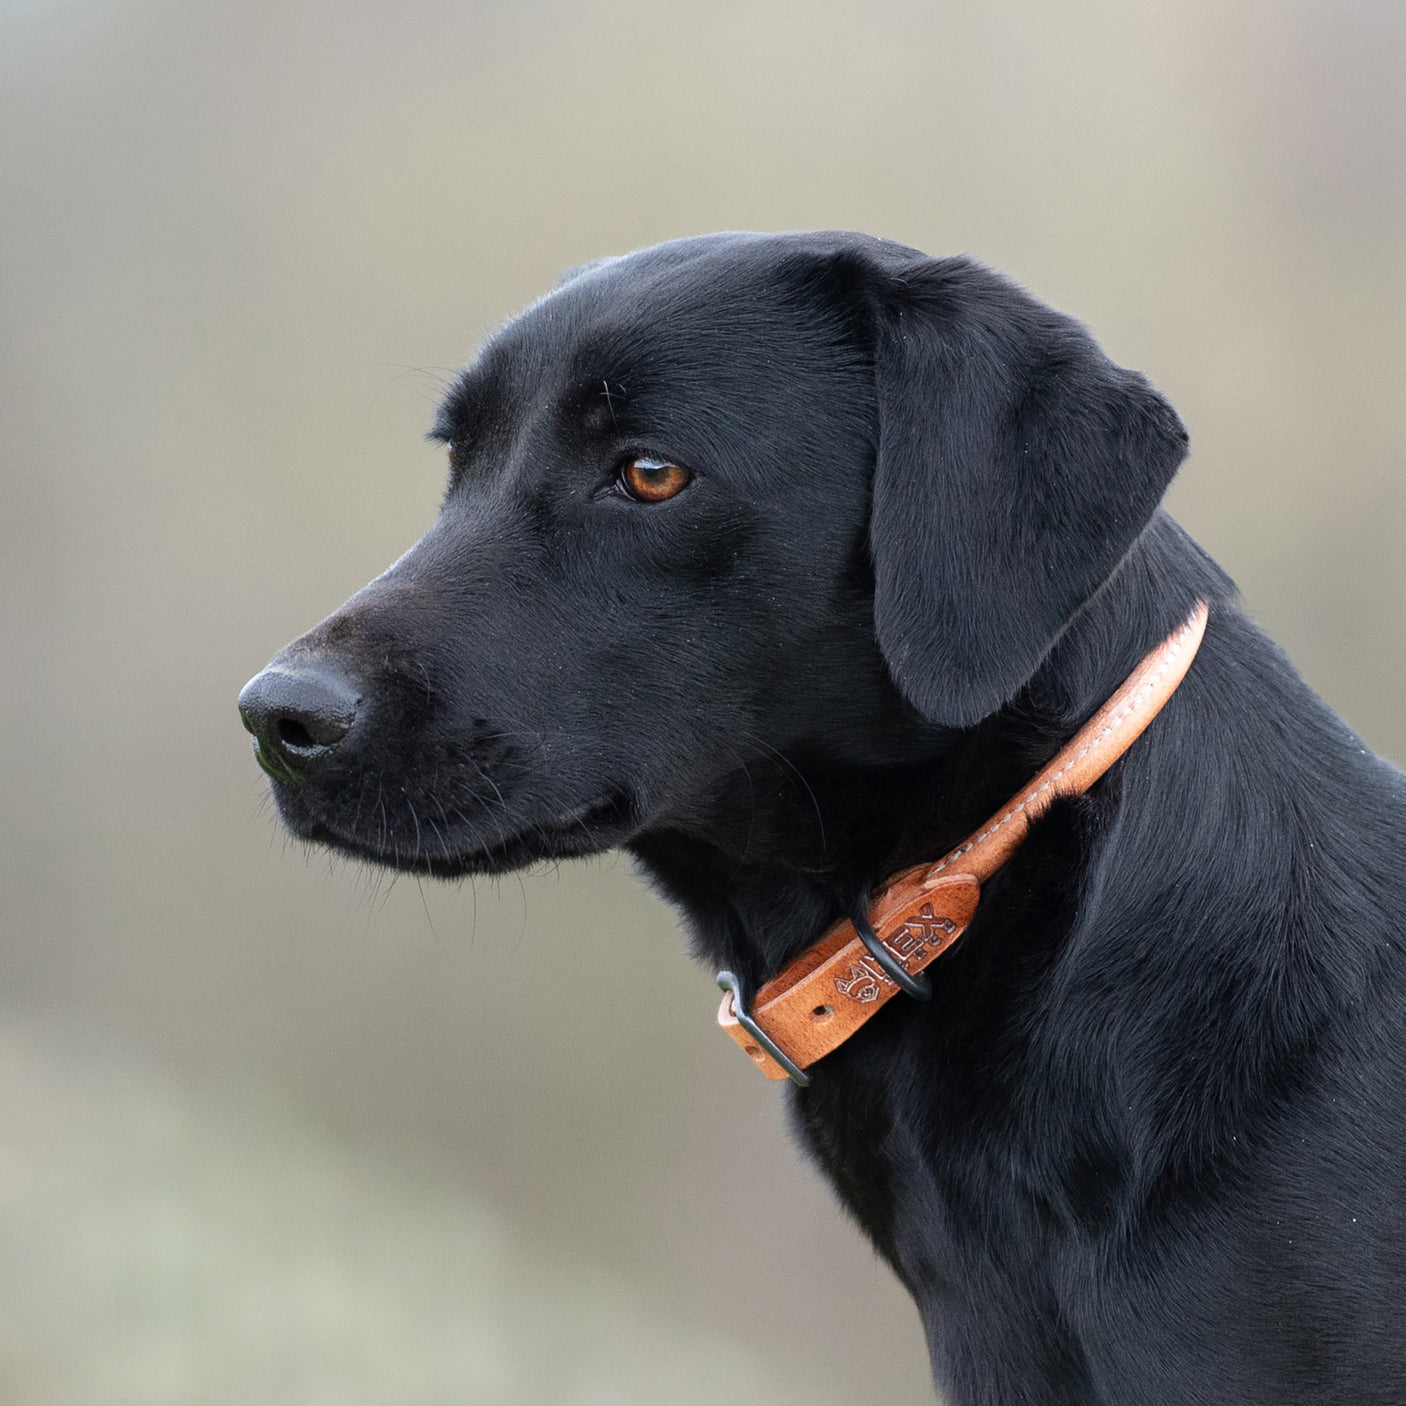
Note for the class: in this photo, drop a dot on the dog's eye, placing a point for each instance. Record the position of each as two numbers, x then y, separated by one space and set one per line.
653 480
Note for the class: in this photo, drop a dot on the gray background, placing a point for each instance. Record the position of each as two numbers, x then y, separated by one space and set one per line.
273 1129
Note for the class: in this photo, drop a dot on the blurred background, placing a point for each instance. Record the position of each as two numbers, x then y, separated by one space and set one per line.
273 1129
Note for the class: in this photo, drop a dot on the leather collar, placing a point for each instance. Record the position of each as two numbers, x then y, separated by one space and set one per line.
818 1001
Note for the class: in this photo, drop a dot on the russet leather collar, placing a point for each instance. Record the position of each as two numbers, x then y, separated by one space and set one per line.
817 1002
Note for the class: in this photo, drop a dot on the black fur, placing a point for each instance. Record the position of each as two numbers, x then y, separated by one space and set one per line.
1145 1143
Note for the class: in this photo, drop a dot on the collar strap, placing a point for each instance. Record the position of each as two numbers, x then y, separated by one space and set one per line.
817 1002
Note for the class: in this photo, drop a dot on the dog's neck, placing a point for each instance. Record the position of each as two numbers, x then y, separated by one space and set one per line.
831 831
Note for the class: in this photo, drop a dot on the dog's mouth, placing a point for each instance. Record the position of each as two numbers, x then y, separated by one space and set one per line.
426 842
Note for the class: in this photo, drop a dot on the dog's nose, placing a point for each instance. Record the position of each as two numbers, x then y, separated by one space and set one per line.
298 713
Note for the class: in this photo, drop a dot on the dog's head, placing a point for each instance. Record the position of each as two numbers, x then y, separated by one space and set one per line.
721 500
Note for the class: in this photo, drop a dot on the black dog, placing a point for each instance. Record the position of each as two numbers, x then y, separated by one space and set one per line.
783 561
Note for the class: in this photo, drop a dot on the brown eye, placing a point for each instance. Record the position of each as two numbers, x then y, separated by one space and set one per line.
653 480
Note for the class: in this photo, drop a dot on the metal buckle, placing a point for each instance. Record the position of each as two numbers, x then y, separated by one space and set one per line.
730 981
918 987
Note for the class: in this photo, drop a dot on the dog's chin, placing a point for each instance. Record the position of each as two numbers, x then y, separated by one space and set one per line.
574 833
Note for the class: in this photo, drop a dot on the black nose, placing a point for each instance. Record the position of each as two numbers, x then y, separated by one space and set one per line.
298 713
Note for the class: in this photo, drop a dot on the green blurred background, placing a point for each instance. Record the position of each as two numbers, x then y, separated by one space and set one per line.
276 1130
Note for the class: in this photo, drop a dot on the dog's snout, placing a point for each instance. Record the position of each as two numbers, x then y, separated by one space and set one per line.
298 713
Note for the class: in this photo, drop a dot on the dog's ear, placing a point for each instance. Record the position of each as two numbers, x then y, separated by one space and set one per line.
1015 466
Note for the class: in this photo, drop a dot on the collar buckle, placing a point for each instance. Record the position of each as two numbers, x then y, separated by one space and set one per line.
731 982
